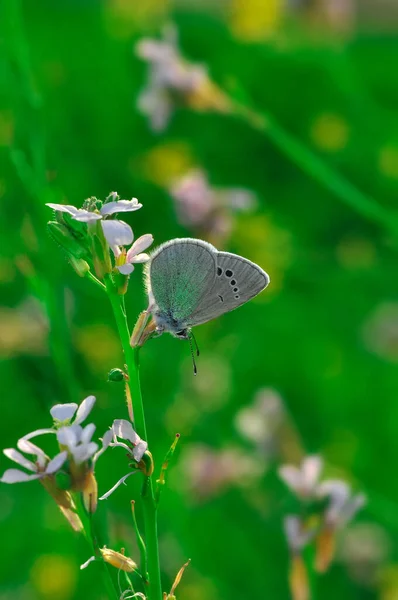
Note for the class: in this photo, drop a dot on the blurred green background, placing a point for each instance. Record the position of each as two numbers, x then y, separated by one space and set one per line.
310 365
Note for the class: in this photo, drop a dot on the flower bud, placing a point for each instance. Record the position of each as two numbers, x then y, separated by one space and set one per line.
116 375
65 238
90 493
325 549
118 560
101 258
298 579
79 265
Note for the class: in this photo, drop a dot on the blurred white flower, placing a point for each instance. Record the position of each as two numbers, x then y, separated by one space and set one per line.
260 421
343 505
169 76
303 480
135 446
200 205
42 466
380 331
297 534
206 472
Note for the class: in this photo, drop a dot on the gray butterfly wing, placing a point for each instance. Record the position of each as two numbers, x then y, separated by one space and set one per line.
180 275
237 281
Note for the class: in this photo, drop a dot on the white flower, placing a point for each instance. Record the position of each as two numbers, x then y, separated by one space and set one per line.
77 441
343 504
135 446
41 467
169 76
303 480
64 413
134 255
297 535
116 232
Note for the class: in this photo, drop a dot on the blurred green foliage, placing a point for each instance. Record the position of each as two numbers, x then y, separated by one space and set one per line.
324 336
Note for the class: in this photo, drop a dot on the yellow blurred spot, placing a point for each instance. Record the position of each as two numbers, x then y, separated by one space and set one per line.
330 132
164 163
6 128
7 270
99 344
388 161
255 20
267 245
356 253
123 18
54 576
389 583
21 332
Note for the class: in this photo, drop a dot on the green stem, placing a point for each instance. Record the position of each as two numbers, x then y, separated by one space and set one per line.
309 560
154 591
316 168
90 536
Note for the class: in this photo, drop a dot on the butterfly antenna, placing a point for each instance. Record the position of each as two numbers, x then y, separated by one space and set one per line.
196 343
195 370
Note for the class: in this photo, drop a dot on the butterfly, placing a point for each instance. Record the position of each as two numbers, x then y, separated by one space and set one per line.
189 282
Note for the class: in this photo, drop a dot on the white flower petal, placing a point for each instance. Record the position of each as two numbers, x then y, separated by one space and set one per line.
84 409
56 463
87 433
63 412
297 537
117 233
68 208
140 450
35 433
106 440
69 436
125 269
124 430
141 244
122 480
20 459
26 446
140 258
120 206
17 476
83 452
291 476
77 213
84 565
311 470
86 216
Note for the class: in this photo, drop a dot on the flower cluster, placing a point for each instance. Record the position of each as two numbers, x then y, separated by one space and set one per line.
88 234
325 507
172 80
206 209
72 468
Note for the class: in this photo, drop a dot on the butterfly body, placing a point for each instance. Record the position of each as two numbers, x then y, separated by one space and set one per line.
189 282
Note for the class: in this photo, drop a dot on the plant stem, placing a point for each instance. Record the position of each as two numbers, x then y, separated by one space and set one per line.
89 534
154 591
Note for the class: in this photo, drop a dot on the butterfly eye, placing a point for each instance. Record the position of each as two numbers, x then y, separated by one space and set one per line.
228 273
182 333
236 290
233 282
219 271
